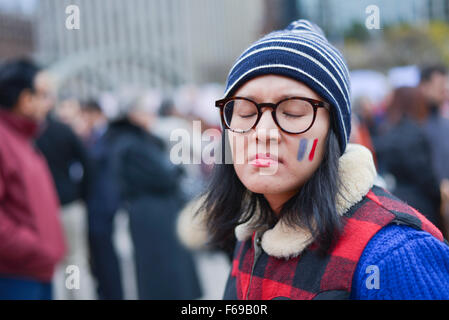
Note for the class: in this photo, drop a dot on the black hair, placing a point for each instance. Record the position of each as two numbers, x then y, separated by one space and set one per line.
228 202
428 71
15 77
91 105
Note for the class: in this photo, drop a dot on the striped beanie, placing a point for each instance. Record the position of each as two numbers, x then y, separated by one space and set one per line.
301 52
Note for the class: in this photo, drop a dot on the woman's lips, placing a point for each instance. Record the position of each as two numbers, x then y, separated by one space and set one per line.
261 160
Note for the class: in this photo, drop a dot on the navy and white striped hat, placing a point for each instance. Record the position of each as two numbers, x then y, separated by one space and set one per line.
301 52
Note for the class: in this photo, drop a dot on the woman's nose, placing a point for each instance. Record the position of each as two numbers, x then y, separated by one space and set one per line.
267 129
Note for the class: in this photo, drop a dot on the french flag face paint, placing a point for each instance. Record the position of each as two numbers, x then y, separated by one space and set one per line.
307 149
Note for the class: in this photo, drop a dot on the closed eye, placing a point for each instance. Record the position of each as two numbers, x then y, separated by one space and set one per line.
247 116
289 115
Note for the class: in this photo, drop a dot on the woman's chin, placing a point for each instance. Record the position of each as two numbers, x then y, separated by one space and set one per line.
265 184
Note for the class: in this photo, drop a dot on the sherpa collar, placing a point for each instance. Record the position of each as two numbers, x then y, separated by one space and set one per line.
357 174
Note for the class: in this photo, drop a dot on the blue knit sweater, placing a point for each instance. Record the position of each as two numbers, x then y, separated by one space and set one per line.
412 264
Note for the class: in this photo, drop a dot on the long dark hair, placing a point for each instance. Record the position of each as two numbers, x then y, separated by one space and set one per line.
228 203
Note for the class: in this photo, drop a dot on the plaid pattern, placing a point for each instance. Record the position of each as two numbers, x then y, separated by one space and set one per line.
315 276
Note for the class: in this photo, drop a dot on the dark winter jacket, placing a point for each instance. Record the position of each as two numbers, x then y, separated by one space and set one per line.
404 151
103 192
67 159
149 189
437 130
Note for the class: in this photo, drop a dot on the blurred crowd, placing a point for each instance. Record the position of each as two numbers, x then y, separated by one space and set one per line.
407 128
88 160
67 166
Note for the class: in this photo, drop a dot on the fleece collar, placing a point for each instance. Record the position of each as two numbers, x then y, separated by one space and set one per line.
357 175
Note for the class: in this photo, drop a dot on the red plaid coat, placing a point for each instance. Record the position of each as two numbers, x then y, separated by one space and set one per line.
315 276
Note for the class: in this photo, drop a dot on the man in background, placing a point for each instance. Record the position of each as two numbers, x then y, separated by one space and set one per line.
434 87
31 237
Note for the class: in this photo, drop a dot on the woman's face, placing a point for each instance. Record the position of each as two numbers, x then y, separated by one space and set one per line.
266 159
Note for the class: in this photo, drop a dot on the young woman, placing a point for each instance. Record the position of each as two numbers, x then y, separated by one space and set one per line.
298 206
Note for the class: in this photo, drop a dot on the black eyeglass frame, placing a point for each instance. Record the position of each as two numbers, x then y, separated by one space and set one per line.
314 103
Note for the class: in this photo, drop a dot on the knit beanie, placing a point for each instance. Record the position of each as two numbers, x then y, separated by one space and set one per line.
301 52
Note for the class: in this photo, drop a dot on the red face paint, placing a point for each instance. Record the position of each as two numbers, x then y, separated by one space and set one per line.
312 152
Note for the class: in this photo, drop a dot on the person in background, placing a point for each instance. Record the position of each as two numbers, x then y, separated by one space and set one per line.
361 122
95 120
149 188
169 121
103 203
68 111
434 86
31 237
69 165
404 152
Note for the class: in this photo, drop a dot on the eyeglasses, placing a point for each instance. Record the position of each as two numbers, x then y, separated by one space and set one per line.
292 115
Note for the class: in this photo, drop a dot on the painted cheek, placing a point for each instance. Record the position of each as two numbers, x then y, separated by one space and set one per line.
307 147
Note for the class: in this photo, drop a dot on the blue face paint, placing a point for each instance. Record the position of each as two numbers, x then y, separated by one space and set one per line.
302 149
